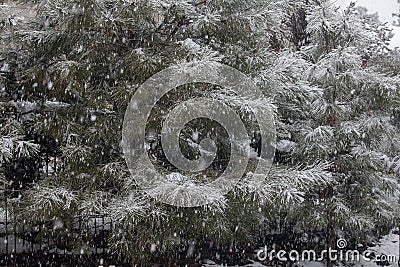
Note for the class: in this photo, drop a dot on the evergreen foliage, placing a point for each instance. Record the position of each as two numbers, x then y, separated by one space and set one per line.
69 76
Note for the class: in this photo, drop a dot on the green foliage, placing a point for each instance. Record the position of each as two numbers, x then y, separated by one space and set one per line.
329 73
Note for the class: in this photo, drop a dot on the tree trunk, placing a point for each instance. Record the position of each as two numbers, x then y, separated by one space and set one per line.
330 229
330 244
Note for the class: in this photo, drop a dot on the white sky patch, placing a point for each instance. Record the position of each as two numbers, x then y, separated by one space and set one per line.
396 38
385 9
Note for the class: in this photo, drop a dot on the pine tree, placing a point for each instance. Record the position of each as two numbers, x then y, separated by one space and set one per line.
87 58
328 73
349 124
18 150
